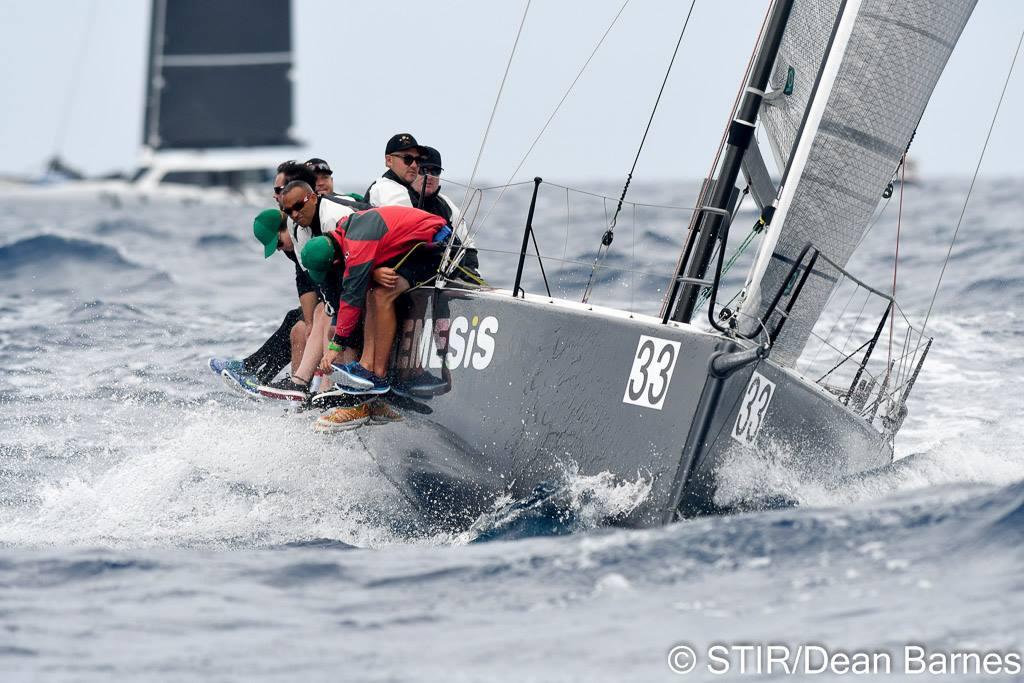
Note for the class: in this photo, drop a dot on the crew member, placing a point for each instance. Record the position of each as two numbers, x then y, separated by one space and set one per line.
288 342
413 178
324 176
401 238
311 215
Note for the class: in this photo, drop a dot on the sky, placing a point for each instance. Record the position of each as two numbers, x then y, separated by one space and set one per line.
73 76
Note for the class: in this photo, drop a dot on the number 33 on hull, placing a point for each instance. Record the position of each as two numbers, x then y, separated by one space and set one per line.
567 387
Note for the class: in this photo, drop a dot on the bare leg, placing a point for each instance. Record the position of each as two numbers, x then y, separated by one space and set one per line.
369 325
348 355
386 323
298 343
314 350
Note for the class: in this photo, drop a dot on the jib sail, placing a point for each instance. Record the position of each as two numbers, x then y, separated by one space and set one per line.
861 73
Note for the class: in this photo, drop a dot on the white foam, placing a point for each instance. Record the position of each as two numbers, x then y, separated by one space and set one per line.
216 476
992 456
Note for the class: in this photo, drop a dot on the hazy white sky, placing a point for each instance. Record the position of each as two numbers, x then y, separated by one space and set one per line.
432 67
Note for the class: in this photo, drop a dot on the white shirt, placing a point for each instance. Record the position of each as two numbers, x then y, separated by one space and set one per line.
330 213
387 192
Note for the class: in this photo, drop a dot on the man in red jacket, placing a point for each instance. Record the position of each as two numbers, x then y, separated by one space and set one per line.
401 242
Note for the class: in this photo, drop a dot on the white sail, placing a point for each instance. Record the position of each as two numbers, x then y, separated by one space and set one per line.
801 53
882 60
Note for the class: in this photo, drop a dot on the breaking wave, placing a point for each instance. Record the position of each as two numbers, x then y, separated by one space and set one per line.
990 457
43 253
576 503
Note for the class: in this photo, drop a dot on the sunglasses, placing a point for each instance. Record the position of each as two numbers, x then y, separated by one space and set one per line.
321 168
278 189
297 206
407 159
431 170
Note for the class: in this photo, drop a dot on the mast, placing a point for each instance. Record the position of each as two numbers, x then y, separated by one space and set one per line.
820 93
741 131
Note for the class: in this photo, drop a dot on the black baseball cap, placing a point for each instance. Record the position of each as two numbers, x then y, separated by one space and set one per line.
430 160
400 142
319 166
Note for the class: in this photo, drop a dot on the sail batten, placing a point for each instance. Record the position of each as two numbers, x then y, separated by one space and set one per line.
841 135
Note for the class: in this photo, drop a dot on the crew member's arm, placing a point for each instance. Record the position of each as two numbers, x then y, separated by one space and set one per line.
354 284
307 295
353 297
385 277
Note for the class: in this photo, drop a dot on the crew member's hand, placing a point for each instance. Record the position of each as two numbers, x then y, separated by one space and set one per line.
328 358
385 277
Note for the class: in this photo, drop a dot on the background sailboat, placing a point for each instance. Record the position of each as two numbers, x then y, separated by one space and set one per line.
218 114
218 86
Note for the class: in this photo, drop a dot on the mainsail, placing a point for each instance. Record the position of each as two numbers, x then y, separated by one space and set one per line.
219 74
863 71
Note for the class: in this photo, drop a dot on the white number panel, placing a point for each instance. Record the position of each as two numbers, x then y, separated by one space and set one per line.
653 364
753 409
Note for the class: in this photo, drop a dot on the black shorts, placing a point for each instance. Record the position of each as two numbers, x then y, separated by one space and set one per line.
421 265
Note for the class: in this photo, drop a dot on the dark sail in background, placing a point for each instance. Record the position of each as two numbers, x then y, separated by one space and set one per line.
219 74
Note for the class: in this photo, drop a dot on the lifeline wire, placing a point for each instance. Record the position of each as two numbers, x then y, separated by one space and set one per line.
522 161
967 199
609 234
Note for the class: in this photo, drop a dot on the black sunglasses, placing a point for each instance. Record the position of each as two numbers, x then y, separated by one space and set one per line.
278 189
297 206
407 159
321 168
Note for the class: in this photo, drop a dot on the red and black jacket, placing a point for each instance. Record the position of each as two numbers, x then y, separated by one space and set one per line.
367 239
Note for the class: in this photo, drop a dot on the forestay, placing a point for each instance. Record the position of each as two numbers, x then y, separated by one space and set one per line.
841 133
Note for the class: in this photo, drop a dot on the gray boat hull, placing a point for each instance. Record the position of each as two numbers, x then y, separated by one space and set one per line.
528 390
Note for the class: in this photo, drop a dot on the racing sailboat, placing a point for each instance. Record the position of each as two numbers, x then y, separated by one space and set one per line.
528 385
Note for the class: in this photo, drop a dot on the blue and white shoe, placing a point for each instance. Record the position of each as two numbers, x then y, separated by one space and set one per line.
423 385
219 365
354 376
245 384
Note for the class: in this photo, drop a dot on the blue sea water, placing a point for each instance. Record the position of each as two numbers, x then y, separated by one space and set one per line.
155 526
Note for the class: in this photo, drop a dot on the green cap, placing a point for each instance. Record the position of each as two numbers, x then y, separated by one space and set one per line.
265 227
316 258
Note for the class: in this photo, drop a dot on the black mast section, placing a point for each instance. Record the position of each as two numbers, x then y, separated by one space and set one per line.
741 131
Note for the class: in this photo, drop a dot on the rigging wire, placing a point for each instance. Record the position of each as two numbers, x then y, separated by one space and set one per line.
702 195
572 85
579 74
967 199
609 234
487 131
76 68
896 257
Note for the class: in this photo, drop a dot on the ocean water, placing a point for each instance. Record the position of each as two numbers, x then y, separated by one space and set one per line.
155 526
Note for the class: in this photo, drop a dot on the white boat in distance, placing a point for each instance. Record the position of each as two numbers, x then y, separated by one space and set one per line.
209 132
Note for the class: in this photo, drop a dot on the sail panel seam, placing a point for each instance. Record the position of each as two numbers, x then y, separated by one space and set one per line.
948 44
238 59
860 138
